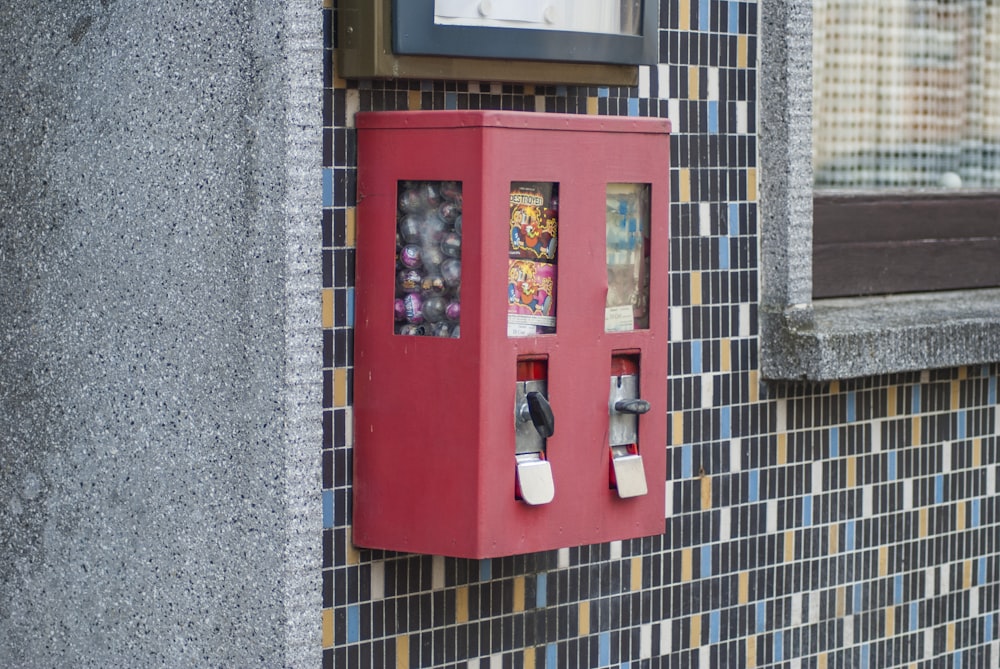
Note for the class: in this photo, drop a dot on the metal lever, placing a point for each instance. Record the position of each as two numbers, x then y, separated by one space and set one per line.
537 409
632 406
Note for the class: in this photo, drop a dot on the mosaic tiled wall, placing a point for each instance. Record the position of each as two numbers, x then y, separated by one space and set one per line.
852 524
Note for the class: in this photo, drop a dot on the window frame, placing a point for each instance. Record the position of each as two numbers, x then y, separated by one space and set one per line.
827 339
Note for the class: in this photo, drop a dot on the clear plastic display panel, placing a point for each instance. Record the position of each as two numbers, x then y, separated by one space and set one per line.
627 223
531 260
428 259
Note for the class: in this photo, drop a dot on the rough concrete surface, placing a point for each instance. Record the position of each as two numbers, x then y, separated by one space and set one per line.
159 332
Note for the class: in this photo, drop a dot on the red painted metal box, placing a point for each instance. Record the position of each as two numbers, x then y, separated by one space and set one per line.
511 331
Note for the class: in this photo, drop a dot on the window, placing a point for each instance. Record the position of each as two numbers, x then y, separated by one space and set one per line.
803 338
906 146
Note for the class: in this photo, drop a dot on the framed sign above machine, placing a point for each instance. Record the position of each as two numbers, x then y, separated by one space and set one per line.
553 41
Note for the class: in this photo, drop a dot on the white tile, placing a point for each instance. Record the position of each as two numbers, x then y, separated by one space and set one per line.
735 454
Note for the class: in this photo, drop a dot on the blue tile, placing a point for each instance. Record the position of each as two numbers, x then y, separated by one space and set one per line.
451 101
633 106
779 646
754 481
350 307
988 627
687 464
703 23
485 569
713 116
761 617
696 357
724 253
982 571
353 623
714 627
726 422
897 589
734 17
915 403
551 656
914 616
327 187
834 442
603 92
960 420
891 464
852 409
604 648
734 219
992 390
541 594
807 510
849 535
939 489
976 518
706 561
327 508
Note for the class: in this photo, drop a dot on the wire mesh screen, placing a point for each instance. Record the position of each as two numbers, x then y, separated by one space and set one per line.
906 93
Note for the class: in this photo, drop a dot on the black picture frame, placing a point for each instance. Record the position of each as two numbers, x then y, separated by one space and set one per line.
414 32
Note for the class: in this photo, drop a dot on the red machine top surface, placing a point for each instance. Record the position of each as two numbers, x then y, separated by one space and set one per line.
474 118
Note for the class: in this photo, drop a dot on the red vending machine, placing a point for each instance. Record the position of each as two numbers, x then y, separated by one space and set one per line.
511 331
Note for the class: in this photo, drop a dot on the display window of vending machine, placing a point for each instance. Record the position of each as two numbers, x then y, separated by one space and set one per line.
511 331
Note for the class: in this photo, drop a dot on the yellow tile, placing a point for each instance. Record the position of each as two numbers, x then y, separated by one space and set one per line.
741 51
529 658
834 387
950 637
841 602
916 430
340 387
403 652
890 621
583 622
683 15
635 582
967 574
706 492
592 106
751 651
350 222
960 516
351 552
413 100
695 288
852 471
890 401
752 184
519 594
686 564
529 89
834 538
695 631
977 452
326 301
955 394
743 588
923 522
677 428
782 453
963 373
754 380
327 628
694 82
462 604
789 546
684 184
725 355
883 561
821 662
